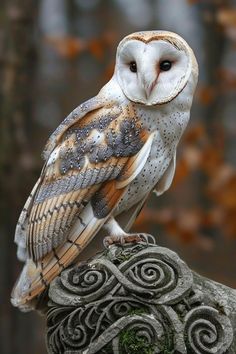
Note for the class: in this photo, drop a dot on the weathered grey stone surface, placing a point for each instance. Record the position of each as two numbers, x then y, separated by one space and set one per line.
139 298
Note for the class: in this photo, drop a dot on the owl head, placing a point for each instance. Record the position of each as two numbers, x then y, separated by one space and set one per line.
153 67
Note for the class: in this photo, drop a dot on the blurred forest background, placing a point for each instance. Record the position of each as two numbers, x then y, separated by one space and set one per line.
55 54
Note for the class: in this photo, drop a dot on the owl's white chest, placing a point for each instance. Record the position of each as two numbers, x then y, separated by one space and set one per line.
155 166
168 127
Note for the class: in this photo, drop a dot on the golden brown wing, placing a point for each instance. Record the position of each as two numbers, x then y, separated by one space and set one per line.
85 157
74 117
84 178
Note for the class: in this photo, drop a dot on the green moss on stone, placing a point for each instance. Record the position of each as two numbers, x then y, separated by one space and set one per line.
131 343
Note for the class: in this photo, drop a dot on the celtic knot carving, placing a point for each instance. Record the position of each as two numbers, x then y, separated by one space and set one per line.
133 298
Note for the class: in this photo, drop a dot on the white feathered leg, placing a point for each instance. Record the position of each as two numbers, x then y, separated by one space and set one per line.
118 236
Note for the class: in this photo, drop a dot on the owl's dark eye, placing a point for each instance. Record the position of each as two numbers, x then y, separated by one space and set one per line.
133 66
165 65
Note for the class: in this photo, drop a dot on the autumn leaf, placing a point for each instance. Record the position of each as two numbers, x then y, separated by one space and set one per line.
181 172
211 159
206 94
224 191
226 17
194 134
67 47
97 48
227 78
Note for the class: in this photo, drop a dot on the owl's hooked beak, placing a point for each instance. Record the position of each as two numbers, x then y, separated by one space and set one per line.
147 81
148 88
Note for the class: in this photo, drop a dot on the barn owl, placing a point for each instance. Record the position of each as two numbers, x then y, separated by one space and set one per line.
106 157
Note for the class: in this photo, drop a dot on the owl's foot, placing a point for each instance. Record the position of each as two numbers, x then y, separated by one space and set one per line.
120 237
125 238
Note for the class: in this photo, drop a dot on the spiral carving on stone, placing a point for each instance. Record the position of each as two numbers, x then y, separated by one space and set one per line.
141 293
207 331
156 272
89 282
82 284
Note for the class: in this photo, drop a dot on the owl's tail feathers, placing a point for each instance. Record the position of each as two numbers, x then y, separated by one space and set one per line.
34 279
23 285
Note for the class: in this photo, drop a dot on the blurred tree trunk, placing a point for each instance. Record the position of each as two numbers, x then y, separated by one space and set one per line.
16 167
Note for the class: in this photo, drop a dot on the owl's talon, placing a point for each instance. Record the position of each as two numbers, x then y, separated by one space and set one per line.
121 240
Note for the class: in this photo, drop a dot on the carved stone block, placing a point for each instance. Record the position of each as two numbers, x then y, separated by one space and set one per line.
139 298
